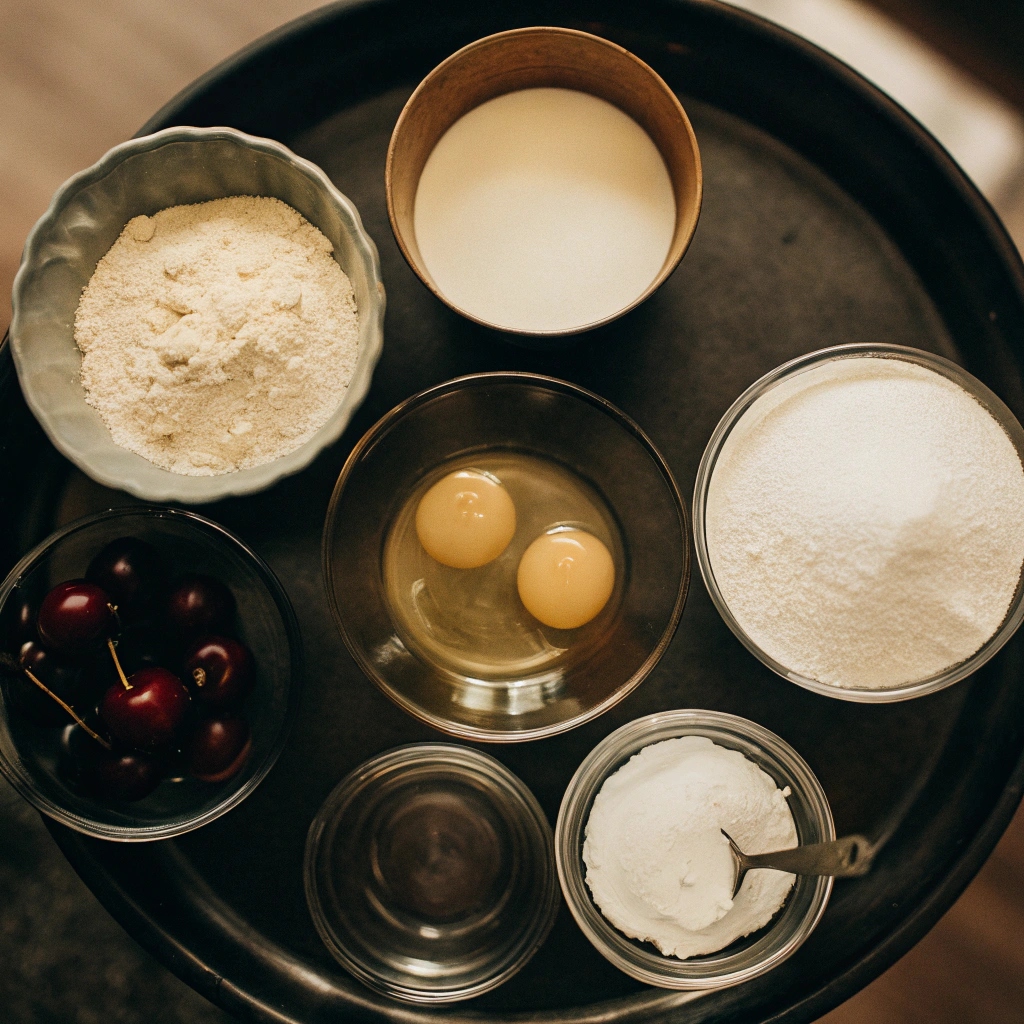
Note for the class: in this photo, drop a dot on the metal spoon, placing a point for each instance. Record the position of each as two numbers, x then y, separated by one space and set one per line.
843 858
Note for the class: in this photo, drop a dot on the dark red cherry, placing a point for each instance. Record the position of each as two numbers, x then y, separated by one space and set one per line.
199 605
59 677
218 747
220 671
149 713
133 575
20 613
74 617
126 775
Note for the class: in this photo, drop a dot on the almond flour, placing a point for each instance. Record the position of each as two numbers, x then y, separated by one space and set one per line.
217 336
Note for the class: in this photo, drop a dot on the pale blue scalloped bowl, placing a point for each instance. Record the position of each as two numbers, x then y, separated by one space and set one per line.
88 212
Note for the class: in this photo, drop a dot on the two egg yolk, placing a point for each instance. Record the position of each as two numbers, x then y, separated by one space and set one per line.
467 519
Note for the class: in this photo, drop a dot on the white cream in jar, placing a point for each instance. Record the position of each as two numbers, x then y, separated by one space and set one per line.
657 864
544 210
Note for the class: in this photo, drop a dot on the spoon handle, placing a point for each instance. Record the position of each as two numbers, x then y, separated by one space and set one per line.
844 858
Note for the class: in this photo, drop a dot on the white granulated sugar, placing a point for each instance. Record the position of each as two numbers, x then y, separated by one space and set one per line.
865 523
658 866
217 336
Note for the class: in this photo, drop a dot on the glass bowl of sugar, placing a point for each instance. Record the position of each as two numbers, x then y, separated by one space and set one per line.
720 953
857 522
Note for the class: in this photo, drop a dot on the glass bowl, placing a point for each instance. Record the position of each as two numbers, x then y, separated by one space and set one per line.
172 167
29 753
514 415
429 873
747 957
780 376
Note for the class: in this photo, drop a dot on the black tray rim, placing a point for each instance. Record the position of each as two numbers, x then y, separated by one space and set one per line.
148 931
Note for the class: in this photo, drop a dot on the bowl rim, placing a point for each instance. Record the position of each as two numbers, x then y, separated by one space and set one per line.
667 269
946 368
22 782
611 754
443 755
240 482
382 427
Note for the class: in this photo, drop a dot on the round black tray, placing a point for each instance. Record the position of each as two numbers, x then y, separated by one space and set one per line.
829 217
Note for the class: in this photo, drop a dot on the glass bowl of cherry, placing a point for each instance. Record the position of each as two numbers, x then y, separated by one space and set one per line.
150 665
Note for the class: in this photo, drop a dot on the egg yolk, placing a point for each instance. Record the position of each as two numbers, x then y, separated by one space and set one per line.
565 578
465 520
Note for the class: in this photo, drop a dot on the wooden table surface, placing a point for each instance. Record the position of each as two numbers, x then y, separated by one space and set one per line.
76 77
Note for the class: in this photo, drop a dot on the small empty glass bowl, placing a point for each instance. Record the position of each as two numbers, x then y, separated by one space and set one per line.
557 431
776 383
30 754
429 873
748 957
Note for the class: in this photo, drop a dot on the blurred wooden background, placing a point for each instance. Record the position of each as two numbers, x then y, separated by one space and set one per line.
78 76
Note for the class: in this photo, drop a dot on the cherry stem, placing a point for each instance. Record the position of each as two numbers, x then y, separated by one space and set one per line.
199 675
68 708
117 664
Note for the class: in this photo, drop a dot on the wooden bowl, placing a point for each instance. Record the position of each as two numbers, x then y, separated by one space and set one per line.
531 58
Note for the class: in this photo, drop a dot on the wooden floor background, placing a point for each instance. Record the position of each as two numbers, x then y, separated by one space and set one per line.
76 77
